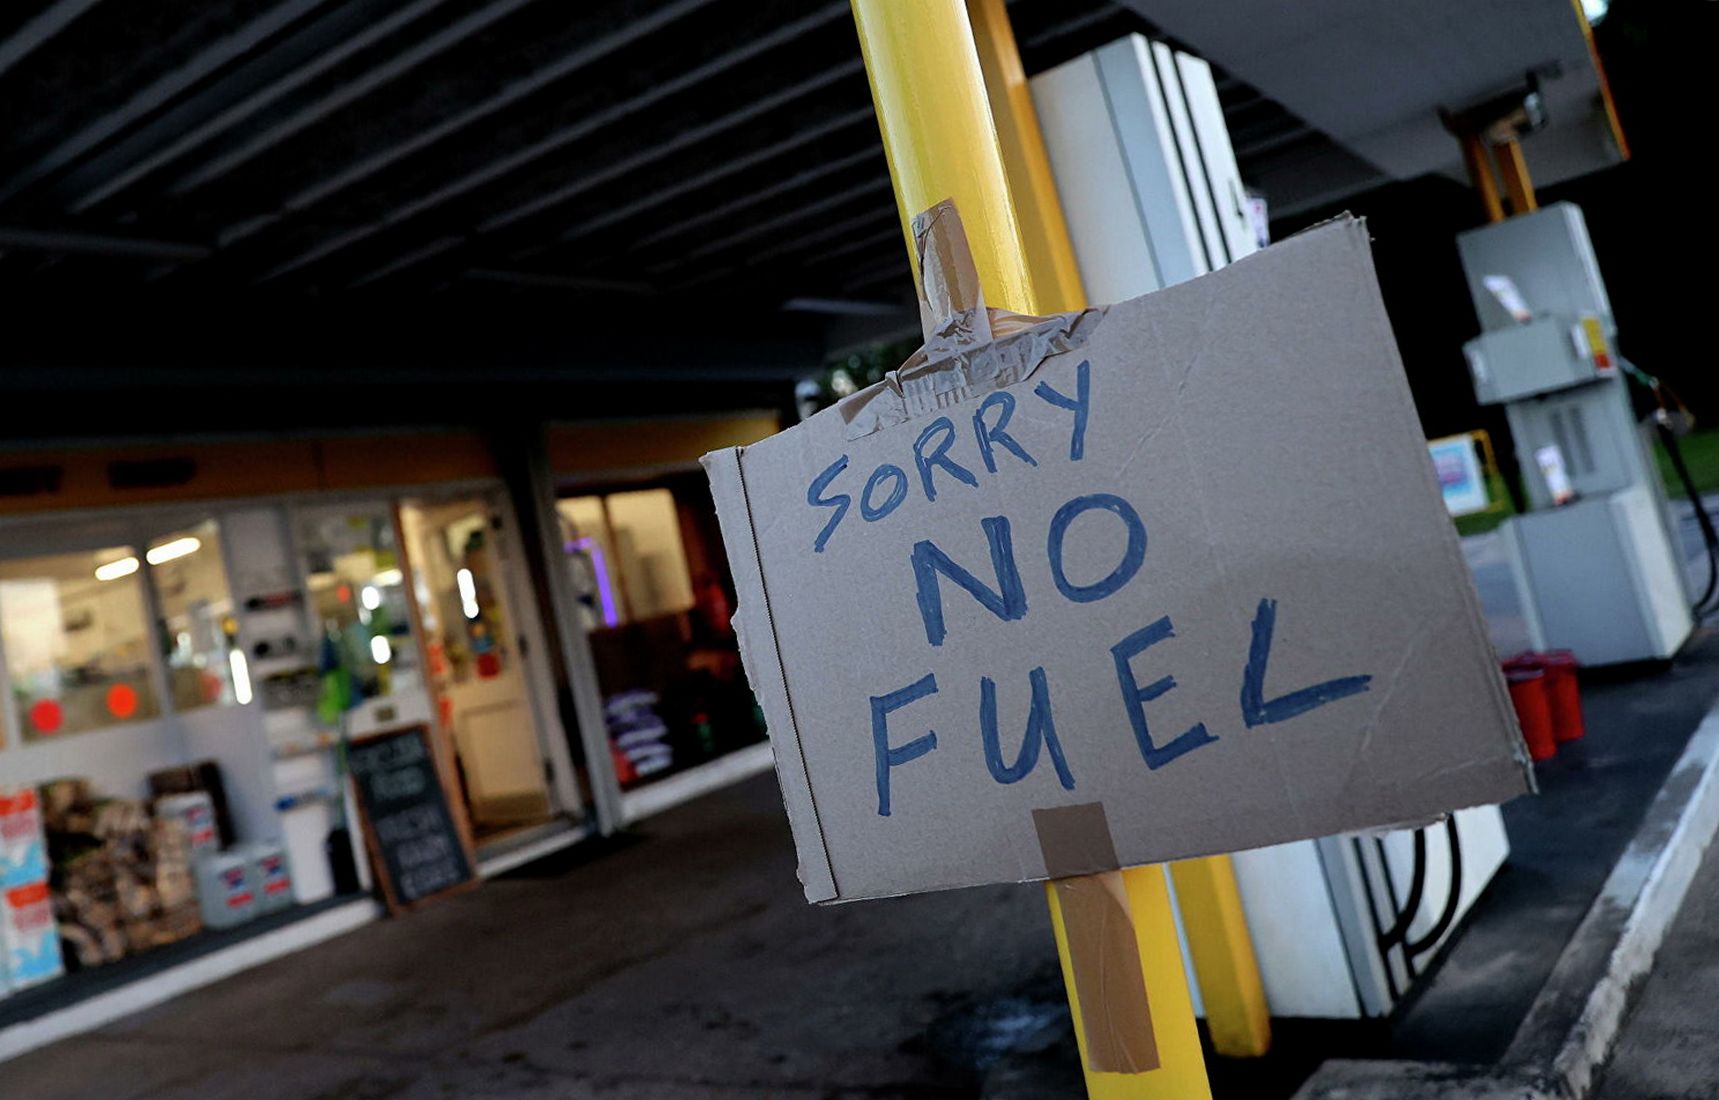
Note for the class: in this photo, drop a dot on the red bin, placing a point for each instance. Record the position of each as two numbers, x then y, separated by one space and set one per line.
1564 693
1528 691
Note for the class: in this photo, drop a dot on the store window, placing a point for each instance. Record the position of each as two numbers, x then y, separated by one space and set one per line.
633 556
77 641
197 623
656 598
358 596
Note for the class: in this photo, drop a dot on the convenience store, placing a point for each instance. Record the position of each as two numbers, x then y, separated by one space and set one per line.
169 615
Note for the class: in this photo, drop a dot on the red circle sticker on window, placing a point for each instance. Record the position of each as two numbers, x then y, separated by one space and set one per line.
122 700
46 715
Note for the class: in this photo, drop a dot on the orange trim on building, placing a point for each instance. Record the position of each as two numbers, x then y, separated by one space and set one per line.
597 447
352 462
165 473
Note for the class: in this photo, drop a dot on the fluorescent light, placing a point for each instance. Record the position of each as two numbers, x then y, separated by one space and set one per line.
388 578
168 551
114 570
241 675
370 597
380 650
468 593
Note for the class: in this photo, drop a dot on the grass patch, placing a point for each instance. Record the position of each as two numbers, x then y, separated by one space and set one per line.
1701 453
1478 523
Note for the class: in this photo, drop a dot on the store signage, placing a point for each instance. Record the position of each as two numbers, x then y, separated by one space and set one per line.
1178 571
416 846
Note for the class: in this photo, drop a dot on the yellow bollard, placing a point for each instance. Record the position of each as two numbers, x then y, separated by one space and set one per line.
941 142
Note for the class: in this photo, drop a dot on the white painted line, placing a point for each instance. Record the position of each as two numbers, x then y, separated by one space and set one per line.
1550 1056
721 772
502 862
1652 878
147 992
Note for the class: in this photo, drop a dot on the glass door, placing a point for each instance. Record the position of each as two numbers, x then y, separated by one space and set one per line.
459 558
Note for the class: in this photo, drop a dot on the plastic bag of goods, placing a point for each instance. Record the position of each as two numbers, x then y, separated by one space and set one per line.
23 853
27 934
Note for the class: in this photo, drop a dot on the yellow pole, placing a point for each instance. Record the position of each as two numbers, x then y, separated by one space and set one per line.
1513 166
1479 166
1050 256
941 143
1222 948
1206 891
937 134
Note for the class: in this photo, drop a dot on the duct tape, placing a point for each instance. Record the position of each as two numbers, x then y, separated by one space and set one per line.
970 349
1103 949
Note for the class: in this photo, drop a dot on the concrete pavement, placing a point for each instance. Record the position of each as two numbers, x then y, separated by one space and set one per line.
685 966
1669 1049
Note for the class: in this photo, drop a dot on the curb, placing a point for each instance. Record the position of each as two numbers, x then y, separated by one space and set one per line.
1573 1024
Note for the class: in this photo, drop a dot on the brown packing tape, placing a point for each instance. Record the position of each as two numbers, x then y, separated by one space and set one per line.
1075 840
970 349
1103 949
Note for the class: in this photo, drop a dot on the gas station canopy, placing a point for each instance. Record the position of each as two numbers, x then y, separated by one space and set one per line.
1373 78
511 158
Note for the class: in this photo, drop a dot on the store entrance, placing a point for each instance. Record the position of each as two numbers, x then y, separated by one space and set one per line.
475 653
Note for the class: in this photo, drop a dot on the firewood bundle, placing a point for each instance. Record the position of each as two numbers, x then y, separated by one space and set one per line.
122 879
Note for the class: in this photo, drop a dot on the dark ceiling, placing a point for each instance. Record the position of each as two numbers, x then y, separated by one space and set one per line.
593 152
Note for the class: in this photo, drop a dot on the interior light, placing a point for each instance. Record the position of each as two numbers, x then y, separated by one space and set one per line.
370 596
380 650
1595 10
468 593
168 551
241 675
388 578
114 570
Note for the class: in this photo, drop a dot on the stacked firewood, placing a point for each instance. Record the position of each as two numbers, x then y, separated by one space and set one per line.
122 878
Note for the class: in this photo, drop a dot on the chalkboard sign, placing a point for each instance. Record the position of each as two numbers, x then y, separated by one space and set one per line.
416 843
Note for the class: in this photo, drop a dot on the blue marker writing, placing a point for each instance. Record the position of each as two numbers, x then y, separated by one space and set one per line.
1256 709
1132 554
1041 733
944 432
1008 601
1080 404
840 502
887 758
1135 697
886 472
997 435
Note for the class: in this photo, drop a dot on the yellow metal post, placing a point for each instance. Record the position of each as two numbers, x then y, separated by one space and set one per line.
1206 891
1480 174
941 143
1050 258
1222 948
1513 167
938 136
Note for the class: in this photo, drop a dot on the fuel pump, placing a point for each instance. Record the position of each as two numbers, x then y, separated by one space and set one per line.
1595 560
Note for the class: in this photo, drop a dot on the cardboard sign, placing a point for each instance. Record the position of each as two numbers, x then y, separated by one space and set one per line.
1177 571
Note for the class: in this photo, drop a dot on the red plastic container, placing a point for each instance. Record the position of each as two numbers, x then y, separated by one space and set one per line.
1528 691
1564 693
